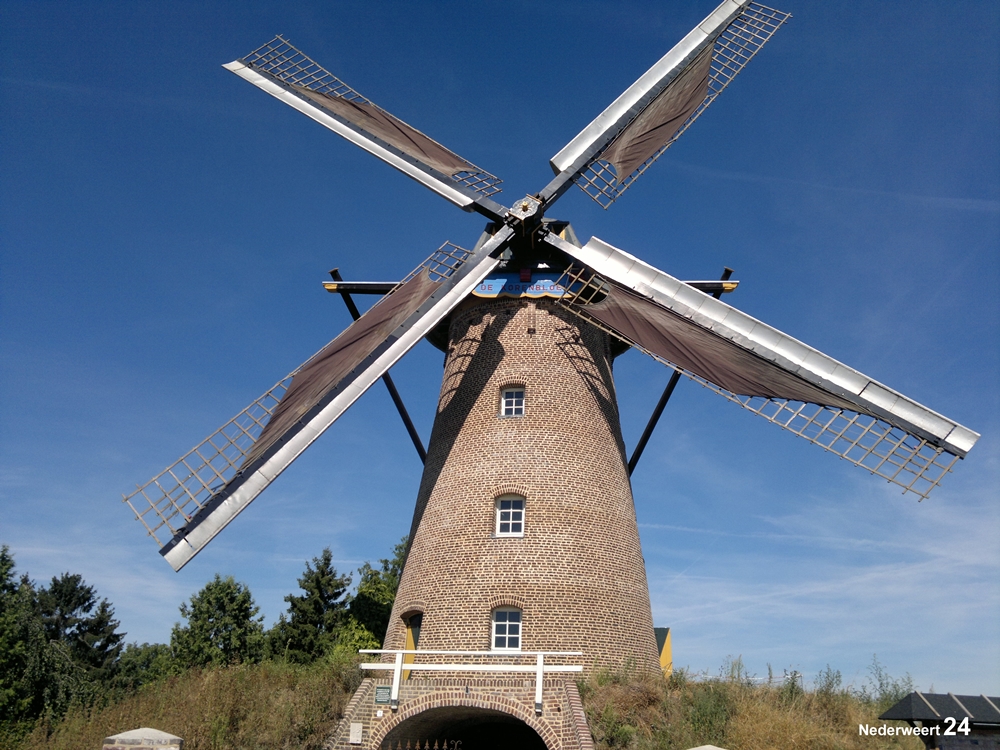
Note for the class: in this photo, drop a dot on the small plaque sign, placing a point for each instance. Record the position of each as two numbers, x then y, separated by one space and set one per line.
383 694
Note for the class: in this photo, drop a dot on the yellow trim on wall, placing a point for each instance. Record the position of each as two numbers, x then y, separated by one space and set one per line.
410 646
667 656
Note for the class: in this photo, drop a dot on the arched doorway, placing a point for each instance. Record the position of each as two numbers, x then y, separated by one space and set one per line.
474 728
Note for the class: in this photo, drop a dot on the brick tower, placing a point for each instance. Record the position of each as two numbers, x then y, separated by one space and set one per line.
525 506
523 538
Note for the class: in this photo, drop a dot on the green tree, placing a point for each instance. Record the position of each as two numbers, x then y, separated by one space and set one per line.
315 617
351 638
8 582
73 616
223 626
38 676
22 645
371 604
139 665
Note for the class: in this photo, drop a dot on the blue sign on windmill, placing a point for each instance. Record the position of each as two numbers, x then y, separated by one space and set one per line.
510 285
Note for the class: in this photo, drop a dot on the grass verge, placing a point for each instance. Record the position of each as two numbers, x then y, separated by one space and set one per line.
245 707
643 712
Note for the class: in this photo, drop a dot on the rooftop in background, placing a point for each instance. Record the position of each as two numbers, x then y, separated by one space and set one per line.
925 707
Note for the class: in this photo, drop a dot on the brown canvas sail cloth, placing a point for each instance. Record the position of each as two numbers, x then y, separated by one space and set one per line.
660 121
702 352
340 357
395 132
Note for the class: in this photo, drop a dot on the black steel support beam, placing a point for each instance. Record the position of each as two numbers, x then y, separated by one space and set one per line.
384 287
390 386
665 397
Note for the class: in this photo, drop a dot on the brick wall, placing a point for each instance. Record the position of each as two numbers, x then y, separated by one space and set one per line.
562 723
577 573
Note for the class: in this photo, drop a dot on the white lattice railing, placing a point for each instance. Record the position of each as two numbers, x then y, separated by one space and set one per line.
539 667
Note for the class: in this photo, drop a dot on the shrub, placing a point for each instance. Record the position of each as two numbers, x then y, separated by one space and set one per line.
272 704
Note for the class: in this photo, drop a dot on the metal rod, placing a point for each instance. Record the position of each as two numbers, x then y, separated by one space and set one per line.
653 419
665 397
390 386
410 429
501 654
515 668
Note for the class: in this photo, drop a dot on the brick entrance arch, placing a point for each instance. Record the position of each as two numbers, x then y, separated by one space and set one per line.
491 703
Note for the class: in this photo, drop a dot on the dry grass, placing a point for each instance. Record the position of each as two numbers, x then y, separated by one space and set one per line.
268 705
646 712
274 705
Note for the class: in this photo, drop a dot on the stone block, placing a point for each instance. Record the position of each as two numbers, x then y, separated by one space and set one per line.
143 738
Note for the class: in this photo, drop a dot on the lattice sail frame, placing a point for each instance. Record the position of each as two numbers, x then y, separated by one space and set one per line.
290 65
734 48
887 451
172 497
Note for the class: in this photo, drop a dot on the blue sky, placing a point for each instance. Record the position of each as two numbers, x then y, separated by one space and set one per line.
166 226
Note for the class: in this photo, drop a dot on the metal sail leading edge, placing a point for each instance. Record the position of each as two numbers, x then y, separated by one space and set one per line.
762 369
634 130
196 497
289 75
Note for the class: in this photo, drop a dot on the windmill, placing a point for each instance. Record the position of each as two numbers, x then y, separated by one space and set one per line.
524 533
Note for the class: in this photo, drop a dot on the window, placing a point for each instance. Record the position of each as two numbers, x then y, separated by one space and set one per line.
506 629
510 516
512 402
413 623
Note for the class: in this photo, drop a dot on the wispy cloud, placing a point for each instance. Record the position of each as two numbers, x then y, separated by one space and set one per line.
831 542
867 594
984 205
108 94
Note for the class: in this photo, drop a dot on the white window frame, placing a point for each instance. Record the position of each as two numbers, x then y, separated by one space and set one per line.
509 516
515 409
504 624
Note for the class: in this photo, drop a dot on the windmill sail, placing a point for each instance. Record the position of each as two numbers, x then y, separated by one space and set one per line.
627 137
196 497
742 359
763 369
289 75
